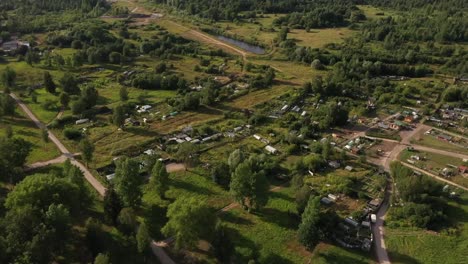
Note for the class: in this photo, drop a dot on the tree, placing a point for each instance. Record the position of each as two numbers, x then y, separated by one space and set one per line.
112 205
89 95
221 175
235 158
75 176
160 178
102 259
128 182
58 217
302 198
123 94
87 150
45 135
309 230
8 105
222 244
187 153
142 237
118 116
189 221
317 65
9 131
36 191
127 220
64 99
249 185
69 84
8 77
49 83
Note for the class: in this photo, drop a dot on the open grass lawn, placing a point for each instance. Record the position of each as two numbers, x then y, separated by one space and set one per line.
271 233
295 73
420 246
318 38
190 183
44 115
330 254
433 142
24 128
273 236
250 100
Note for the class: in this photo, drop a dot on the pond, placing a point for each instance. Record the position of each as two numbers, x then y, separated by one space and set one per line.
245 46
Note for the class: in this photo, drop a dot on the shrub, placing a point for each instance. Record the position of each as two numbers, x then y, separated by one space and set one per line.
72 133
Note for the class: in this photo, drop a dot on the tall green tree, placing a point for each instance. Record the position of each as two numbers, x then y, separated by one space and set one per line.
189 221
235 158
249 185
69 84
118 116
49 83
123 93
112 205
309 230
160 178
64 99
128 182
8 77
143 239
87 150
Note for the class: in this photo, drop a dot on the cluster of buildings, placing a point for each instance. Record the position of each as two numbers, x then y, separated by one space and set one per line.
353 232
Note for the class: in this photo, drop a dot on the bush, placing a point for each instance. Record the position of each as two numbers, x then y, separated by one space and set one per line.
72 133
49 105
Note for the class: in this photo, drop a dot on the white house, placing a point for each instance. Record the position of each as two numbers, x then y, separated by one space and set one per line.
271 149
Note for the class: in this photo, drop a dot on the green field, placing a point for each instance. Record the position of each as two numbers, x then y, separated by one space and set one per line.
24 128
420 246
433 142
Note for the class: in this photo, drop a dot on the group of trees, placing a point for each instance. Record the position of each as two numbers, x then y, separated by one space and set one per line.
424 202
37 225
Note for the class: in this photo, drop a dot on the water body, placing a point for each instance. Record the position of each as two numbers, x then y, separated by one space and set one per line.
245 46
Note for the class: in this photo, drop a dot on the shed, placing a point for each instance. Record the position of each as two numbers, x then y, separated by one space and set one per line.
334 164
332 197
257 137
271 149
110 176
349 168
81 121
351 222
326 201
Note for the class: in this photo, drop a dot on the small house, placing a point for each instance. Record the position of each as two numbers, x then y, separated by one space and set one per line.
110 177
446 172
351 222
326 201
332 197
334 164
149 152
81 121
349 168
463 169
271 149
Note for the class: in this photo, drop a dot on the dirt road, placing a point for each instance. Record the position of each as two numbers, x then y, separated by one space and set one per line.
87 174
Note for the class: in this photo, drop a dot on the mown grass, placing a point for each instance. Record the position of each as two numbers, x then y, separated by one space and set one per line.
433 142
420 246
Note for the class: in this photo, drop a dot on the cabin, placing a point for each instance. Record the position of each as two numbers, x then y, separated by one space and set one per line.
326 201
334 164
81 121
462 169
271 149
